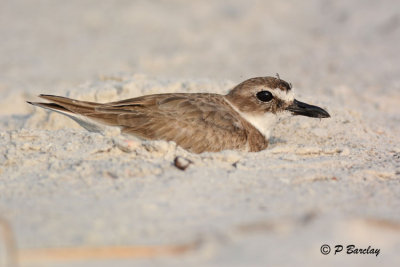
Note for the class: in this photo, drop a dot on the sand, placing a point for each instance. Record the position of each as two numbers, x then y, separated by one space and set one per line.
72 197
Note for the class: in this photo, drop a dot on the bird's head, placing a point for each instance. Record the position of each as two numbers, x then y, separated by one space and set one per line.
270 95
260 99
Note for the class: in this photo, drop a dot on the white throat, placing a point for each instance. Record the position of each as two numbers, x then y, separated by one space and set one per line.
263 123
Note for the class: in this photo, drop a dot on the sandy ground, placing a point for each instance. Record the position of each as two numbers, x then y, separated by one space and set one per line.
75 198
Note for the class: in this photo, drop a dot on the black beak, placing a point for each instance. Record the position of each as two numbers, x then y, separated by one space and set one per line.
300 108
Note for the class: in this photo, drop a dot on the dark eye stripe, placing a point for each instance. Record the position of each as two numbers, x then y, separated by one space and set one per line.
264 96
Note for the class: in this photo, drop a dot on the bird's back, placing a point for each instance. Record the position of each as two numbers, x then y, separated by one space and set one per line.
196 122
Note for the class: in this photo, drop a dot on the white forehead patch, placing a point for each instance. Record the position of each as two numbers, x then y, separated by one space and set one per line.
287 96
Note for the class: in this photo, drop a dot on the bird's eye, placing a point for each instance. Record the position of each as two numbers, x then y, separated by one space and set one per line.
265 96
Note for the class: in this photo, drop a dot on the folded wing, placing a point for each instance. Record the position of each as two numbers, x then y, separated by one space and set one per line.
196 122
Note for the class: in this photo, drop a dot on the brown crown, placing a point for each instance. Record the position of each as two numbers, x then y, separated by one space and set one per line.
271 82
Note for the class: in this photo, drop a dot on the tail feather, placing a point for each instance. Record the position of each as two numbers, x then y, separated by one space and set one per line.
83 112
51 106
66 100
74 106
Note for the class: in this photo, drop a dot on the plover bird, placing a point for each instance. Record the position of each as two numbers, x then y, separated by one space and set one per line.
198 122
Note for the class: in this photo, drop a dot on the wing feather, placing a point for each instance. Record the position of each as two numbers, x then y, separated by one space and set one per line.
197 122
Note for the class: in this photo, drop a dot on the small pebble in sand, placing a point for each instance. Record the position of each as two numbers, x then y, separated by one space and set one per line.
182 163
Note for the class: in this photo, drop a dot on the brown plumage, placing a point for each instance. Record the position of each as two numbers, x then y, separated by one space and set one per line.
197 122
